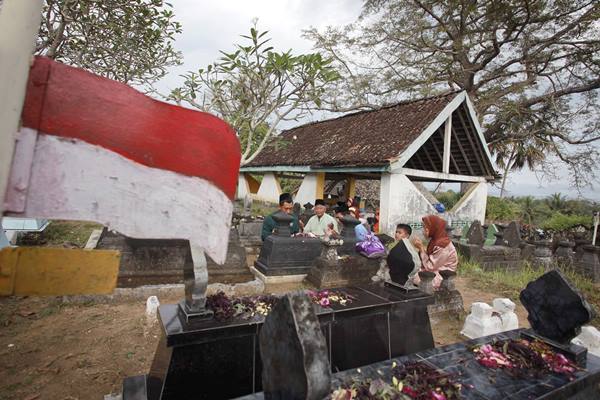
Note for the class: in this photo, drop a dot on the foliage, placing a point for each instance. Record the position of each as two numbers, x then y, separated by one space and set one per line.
448 198
255 88
501 209
531 67
130 41
560 222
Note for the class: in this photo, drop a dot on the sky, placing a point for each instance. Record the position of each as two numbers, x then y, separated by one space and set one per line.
212 26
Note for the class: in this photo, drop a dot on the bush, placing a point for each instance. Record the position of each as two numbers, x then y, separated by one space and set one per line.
559 222
448 198
501 209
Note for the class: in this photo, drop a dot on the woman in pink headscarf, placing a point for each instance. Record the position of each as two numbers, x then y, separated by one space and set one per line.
440 253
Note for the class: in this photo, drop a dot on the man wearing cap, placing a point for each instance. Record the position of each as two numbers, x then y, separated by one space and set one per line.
286 204
317 224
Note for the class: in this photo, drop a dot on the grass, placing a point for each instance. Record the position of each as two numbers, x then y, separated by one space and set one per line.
510 283
75 232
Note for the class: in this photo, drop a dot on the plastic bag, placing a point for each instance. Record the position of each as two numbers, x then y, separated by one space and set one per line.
371 247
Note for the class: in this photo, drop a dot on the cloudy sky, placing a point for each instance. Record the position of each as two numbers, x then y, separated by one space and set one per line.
212 26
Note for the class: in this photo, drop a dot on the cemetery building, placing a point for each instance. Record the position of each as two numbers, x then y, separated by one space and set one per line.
436 139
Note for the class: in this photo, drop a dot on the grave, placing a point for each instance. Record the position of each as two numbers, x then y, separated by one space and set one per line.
589 262
480 382
208 359
447 299
485 320
161 261
542 255
283 255
331 270
505 254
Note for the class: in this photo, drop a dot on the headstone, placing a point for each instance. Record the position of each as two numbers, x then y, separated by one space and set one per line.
294 357
485 231
499 234
564 254
307 213
152 304
556 309
475 234
590 339
485 320
283 223
589 263
247 205
527 250
480 322
512 235
506 309
542 255
447 300
448 282
426 282
349 235
282 254
330 270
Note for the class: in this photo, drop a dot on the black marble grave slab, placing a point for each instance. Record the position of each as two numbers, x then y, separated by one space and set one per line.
208 359
479 382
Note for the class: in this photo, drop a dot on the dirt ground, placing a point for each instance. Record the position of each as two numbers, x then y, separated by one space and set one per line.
49 350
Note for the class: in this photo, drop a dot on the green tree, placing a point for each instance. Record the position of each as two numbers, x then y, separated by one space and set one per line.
256 88
499 209
532 68
556 202
528 209
130 41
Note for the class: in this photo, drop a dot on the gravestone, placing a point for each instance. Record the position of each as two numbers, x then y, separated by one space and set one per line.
564 254
295 365
348 235
162 261
307 213
512 235
589 263
556 309
475 234
527 250
282 254
447 299
499 235
331 270
426 282
542 255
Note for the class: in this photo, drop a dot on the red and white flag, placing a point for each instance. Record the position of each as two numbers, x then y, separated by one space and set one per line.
95 149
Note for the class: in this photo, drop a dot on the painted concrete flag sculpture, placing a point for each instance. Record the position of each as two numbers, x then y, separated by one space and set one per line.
95 149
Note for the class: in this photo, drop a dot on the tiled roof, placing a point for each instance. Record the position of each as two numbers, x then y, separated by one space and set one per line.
365 138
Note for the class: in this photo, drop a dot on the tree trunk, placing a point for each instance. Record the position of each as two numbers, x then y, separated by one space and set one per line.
505 175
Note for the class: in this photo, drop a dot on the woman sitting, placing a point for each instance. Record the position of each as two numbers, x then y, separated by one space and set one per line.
440 253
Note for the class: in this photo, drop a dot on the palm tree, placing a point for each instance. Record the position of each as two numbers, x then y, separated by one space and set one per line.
513 156
556 202
528 209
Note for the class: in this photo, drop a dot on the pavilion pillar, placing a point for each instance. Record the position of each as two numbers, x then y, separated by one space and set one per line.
269 189
311 188
400 201
472 205
243 188
351 188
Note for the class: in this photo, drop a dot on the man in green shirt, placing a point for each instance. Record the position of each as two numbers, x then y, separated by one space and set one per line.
286 204
317 224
